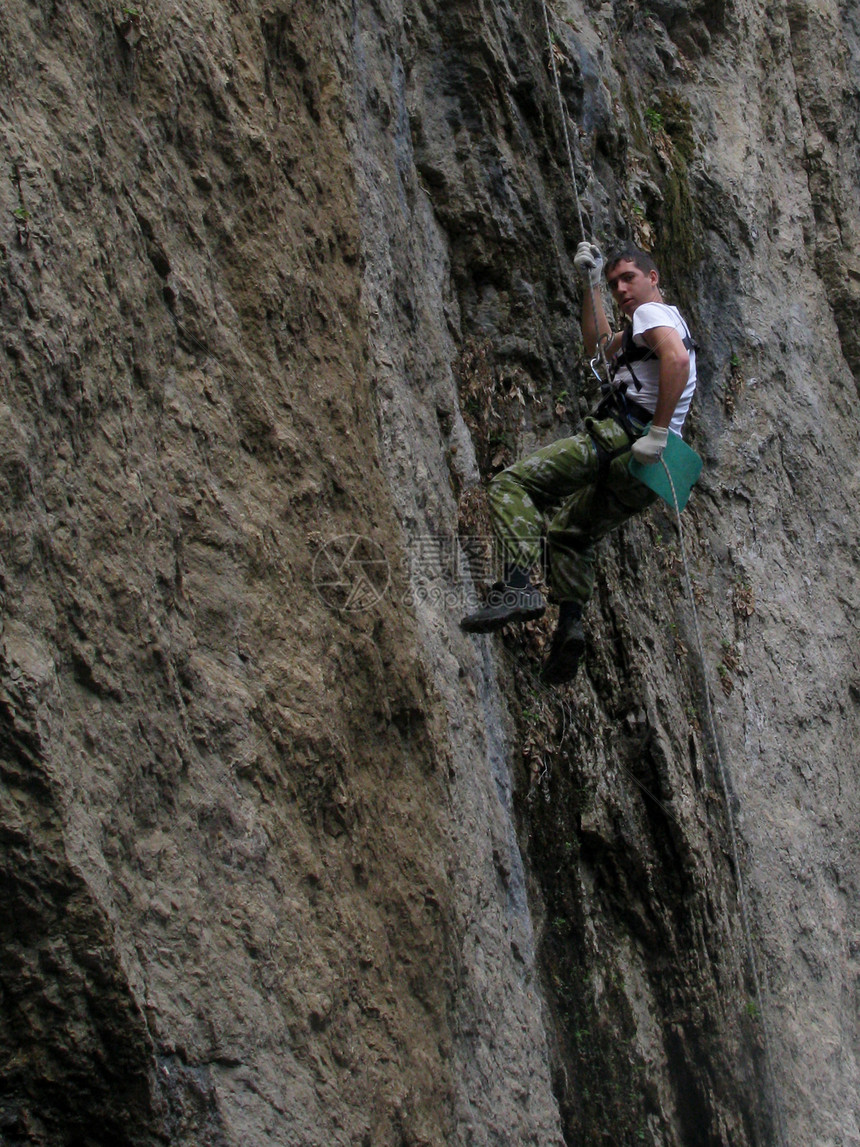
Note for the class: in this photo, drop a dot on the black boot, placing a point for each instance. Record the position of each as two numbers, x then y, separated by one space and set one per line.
514 599
568 644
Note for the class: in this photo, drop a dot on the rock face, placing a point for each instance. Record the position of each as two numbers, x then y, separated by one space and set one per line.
289 859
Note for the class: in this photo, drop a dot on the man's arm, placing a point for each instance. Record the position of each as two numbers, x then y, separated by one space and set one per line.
596 326
669 348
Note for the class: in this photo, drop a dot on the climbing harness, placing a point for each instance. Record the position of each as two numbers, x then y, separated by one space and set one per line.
625 412
605 457
622 407
629 353
608 408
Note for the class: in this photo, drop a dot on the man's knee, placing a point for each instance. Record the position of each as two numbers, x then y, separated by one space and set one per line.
503 485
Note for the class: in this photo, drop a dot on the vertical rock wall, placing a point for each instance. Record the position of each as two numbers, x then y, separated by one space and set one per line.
689 144
225 911
282 870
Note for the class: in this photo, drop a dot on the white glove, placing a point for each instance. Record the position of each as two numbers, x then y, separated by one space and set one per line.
649 449
589 262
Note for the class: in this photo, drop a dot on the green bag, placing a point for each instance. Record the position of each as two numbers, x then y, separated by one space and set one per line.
683 463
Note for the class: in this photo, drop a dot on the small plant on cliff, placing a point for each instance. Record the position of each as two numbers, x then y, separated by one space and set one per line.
743 599
22 219
129 23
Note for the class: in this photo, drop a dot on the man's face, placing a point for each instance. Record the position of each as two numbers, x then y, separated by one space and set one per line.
631 287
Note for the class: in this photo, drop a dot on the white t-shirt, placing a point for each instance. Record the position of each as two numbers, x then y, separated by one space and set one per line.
645 318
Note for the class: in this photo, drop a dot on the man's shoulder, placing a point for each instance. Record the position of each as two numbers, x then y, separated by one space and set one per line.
649 315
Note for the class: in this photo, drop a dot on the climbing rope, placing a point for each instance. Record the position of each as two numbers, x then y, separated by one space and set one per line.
563 115
601 339
722 768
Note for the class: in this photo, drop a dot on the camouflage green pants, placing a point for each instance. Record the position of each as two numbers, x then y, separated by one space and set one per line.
557 489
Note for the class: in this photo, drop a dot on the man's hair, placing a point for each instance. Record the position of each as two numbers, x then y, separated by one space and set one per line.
630 254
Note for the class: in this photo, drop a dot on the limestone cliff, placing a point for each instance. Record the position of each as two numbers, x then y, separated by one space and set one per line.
287 858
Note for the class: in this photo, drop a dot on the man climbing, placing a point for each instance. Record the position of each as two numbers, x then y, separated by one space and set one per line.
580 488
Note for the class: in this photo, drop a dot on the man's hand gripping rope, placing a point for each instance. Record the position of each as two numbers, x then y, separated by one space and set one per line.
588 260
